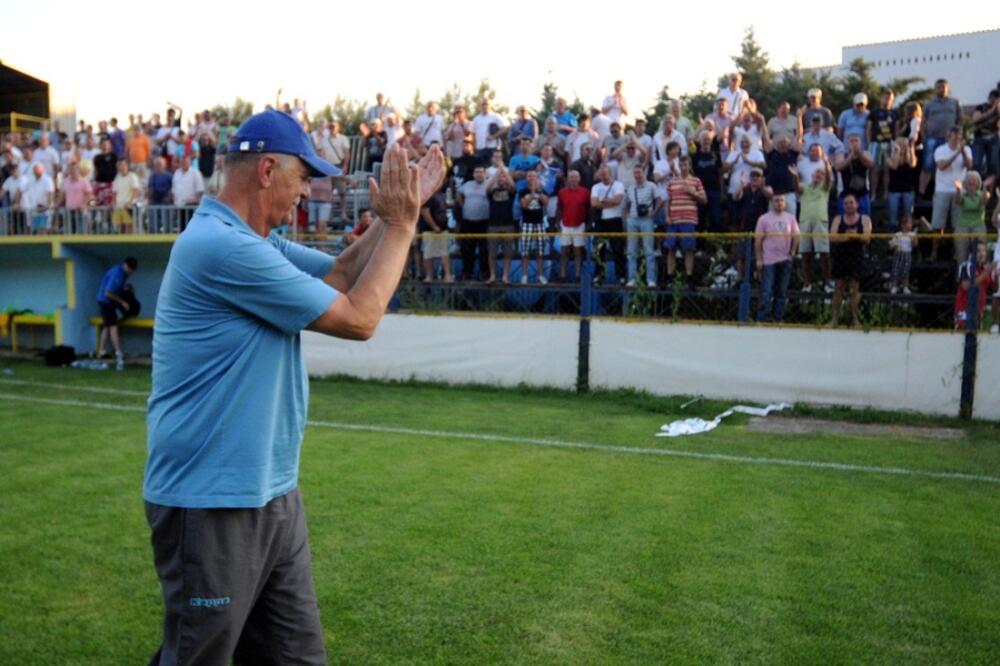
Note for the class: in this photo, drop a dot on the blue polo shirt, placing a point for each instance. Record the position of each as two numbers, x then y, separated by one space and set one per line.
228 408
852 122
521 162
565 118
113 281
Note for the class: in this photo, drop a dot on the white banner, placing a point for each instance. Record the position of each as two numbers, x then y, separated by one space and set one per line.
986 404
504 351
905 371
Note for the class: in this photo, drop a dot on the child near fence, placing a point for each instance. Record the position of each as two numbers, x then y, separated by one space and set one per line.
983 276
902 244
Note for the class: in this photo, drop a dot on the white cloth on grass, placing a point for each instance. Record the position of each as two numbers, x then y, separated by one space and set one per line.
694 426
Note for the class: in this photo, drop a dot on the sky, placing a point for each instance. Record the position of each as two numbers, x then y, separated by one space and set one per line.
198 54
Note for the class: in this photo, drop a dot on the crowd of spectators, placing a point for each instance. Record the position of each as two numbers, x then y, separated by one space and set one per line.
803 181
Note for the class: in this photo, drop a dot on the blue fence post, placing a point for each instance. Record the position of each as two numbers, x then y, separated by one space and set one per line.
583 345
743 314
971 341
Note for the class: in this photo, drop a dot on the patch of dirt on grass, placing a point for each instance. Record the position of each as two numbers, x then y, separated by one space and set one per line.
799 426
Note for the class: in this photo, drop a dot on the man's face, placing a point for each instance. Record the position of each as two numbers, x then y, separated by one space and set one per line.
640 127
432 108
106 146
783 109
532 179
407 127
639 175
159 165
954 137
522 113
365 218
722 107
941 89
616 130
289 183
668 125
43 141
756 179
379 99
815 100
561 105
479 174
783 144
850 204
550 126
816 124
38 170
745 145
586 150
817 178
854 141
185 163
484 106
685 167
814 152
887 99
573 179
779 203
585 124
618 86
74 170
122 167
467 147
460 114
605 175
525 146
734 81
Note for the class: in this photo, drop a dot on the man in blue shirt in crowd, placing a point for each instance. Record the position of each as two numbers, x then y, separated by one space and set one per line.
110 298
565 119
228 407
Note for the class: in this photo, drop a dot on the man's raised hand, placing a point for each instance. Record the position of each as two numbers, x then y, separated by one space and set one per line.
396 199
432 172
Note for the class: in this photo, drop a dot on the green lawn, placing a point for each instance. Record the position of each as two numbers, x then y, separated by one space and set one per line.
450 550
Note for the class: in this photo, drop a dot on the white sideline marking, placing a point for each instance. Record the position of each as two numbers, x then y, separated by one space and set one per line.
92 389
561 444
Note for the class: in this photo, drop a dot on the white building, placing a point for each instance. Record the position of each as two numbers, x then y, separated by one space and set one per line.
970 61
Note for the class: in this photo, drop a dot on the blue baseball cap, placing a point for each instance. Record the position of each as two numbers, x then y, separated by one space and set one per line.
276 132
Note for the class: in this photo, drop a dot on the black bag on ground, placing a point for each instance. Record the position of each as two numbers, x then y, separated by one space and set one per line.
59 355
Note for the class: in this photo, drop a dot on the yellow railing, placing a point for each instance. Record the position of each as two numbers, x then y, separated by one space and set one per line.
20 122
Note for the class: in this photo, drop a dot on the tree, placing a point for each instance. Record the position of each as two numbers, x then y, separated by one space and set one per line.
655 115
350 113
700 104
239 111
415 108
754 63
550 93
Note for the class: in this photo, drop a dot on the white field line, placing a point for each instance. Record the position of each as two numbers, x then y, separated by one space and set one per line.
556 443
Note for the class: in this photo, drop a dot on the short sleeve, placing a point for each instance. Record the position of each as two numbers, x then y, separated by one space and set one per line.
306 259
260 279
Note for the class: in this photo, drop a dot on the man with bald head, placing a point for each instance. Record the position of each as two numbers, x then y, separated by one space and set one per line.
228 407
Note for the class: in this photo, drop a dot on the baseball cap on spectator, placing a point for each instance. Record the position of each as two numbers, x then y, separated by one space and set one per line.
860 98
814 92
276 132
756 171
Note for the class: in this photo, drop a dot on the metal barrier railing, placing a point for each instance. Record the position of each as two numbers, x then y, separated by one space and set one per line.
96 220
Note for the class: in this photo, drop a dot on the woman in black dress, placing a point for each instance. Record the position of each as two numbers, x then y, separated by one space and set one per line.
850 233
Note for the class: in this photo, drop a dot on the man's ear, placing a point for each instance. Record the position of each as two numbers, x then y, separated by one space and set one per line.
266 168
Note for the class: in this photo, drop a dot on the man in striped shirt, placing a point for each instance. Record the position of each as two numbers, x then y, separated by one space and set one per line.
684 192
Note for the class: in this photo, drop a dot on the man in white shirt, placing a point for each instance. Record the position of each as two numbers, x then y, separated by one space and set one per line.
600 123
952 160
615 106
608 196
667 134
188 186
734 94
581 135
47 156
489 129
429 126
36 197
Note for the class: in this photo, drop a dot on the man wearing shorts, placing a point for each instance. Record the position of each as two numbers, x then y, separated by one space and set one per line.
684 193
227 412
572 210
951 160
815 227
110 299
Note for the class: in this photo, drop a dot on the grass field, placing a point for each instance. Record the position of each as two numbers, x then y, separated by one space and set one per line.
443 548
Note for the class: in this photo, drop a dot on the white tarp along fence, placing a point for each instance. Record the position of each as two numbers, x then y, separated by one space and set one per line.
892 370
987 400
504 351
886 370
